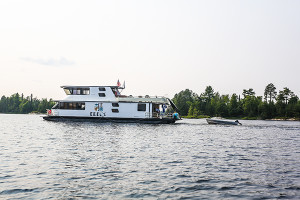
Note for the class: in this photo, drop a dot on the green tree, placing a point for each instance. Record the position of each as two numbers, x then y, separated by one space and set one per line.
270 92
206 98
249 92
181 101
3 105
222 108
286 103
266 110
286 94
291 109
297 107
25 107
194 108
251 105
208 94
234 107
213 105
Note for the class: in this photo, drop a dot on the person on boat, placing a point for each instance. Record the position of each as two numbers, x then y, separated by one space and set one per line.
157 110
176 116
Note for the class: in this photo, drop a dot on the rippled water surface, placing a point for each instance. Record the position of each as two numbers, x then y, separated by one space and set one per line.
187 160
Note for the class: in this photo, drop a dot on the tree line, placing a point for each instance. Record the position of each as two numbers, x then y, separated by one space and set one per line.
284 104
19 104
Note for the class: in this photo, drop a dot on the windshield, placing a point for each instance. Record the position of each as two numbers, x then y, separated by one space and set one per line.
55 106
67 91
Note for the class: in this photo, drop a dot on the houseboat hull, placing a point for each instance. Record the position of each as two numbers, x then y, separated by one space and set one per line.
113 120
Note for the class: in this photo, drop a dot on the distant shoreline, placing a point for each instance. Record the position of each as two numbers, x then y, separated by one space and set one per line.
289 119
245 118
32 113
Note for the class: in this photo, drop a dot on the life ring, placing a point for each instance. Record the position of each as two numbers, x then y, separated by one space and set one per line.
49 112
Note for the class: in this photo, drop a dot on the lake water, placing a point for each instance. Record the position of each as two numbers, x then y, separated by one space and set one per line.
186 160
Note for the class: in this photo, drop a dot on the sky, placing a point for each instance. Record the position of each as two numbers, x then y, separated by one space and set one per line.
158 47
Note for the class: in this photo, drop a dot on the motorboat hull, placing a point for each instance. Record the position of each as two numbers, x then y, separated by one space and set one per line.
222 122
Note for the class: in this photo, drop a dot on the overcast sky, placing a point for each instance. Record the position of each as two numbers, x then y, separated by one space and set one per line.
157 47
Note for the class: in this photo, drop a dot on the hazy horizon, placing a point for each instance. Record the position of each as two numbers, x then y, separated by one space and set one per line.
157 47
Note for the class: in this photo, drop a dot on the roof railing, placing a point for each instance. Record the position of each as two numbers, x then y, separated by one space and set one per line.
139 97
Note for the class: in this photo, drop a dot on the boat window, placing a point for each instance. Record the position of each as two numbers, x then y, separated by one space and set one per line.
67 91
101 94
85 91
77 91
101 89
72 105
141 107
115 110
56 106
80 106
115 104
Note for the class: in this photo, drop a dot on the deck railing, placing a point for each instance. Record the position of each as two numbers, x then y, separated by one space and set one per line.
160 115
146 96
51 112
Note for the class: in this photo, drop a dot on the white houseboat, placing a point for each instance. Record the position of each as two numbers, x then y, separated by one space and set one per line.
105 103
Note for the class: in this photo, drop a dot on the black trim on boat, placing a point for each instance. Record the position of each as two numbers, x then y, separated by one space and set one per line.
116 120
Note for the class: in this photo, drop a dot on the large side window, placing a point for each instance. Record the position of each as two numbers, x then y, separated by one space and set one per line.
115 110
72 105
102 89
141 107
101 94
77 91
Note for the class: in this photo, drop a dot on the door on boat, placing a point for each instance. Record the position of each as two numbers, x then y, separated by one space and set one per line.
155 110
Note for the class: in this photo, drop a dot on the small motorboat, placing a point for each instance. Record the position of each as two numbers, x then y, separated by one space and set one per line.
222 121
